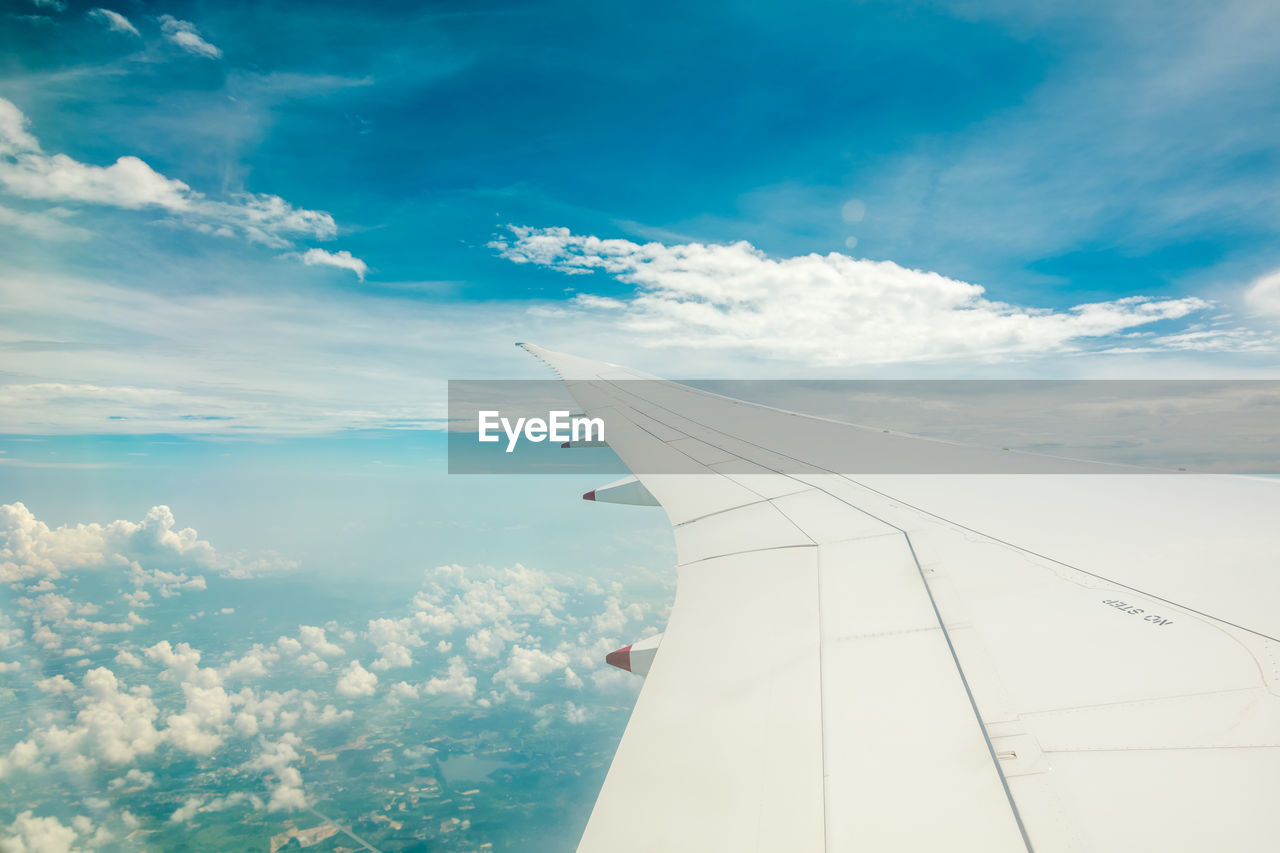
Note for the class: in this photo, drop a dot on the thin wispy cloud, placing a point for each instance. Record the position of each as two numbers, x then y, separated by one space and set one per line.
113 21
131 184
185 35
43 225
1263 295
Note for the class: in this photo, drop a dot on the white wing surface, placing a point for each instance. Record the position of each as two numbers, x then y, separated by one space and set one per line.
960 662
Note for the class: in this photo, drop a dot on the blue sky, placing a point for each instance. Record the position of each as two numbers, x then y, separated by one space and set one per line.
1077 150
274 219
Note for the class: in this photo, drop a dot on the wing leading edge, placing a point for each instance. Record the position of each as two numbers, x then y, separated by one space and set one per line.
962 662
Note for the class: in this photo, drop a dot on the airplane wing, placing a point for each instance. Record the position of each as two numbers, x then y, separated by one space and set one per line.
960 662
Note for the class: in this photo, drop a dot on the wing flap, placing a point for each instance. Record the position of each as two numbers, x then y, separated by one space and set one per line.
907 761
724 747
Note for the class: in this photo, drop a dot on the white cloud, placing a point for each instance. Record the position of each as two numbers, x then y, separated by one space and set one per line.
31 834
340 259
392 655
113 21
1263 294
326 716
133 780
10 635
457 682
615 617
207 710
485 644
357 681
199 728
128 658
404 690
185 35
529 666
314 638
56 685
113 725
820 309
277 758
29 548
187 810
182 661
253 664
494 602
313 661
390 631
129 183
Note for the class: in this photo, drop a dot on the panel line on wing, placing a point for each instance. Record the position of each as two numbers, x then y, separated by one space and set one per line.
995 760
1038 555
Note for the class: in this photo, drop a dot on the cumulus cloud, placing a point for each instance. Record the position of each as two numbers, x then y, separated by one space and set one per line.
182 662
404 690
135 779
29 548
485 644
113 21
492 600
10 634
202 724
820 309
529 666
326 716
357 681
114 725
277 759
314 638
255 663
615 617
187 810
392 655
131 184
31 834
56 685
340 259
458 681
185 35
